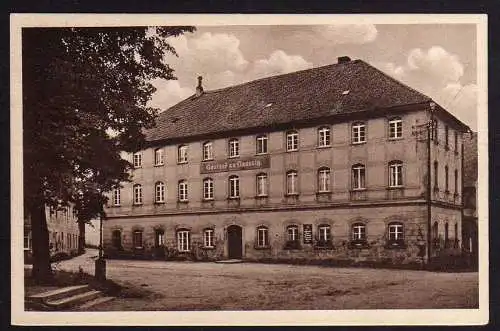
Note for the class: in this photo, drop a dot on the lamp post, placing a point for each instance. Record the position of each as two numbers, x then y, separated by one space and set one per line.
100 263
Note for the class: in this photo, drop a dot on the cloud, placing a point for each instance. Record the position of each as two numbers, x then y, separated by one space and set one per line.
347 33
278 63
169 92
438 73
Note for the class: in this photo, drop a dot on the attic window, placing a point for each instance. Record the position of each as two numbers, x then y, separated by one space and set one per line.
268 105
346 92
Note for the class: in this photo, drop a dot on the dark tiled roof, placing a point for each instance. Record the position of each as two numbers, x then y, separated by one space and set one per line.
470 159
297 96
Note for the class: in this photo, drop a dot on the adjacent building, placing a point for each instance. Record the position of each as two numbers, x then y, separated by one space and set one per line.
470 198
330 163
63 232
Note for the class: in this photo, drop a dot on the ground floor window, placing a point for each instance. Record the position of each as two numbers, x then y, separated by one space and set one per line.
396 233
137 239
324 235
116 239
292 232
208 238
358 232
262 237
183 241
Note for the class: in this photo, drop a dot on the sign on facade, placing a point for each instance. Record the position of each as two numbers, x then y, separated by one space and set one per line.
308 231
247 163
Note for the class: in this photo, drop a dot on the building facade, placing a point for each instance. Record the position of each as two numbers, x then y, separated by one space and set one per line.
63 232
329 163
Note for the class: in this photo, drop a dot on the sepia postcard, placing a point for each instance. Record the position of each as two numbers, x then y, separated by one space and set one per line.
249 169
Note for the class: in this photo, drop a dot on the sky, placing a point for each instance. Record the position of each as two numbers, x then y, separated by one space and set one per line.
438 60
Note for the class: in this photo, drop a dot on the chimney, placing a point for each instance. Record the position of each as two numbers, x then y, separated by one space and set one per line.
343 59
199 88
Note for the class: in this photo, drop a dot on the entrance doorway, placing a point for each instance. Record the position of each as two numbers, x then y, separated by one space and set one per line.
234 242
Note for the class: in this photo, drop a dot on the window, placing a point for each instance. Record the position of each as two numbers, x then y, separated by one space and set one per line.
446 233
358 133
292 233
137 160
456 142
261 144
262 237
395 231
208 189
395 128
324 137
446 136
358 232
182 154
27 240
324 233
395 174
292 141
116 196
436 170
116 239
183 190
358 177
261 185
291 182
159 237
446 178
324 180
234 187
435 131
208 151
159 156
159 192
137 194
234 148
183 244
435 230
456 181
137 239
208 238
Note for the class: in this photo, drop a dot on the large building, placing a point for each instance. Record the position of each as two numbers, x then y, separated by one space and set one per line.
329 163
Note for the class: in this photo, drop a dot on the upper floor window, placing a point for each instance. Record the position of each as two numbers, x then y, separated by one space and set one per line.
324 137
159 156
137 160
395 174
435 128
358 232
159 192
208 153
137 239
446 136
292 182
208 189
208 238
435 230
234 187
261 184
183 190
395 128
324 180
262 236
436 171
395 231
456 141
446 179
234 147
456 181
446 232
116 196
182 154
183 241
358 176
137 194
261 144
292 141
358 133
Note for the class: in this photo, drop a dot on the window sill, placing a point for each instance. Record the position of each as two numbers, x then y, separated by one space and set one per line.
207 199
262 247
292 150
263 196
358 142
395 138
207 160
233 157
291 194
358 244
182 162
324 193
260 154
208 248
323 147
358 189
159 202
159 165
137 167
233 198
115 206
395 187
137 204
182 201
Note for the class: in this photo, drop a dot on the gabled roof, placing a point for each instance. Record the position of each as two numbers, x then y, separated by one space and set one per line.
348 87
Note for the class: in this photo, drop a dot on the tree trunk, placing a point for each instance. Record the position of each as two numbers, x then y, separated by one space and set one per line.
81 237
42 271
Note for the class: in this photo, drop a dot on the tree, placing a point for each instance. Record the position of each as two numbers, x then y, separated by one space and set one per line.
80 84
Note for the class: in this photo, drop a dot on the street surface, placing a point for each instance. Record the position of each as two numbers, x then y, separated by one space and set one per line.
255 286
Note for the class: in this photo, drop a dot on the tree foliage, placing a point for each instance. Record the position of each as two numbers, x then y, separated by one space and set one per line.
80 85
